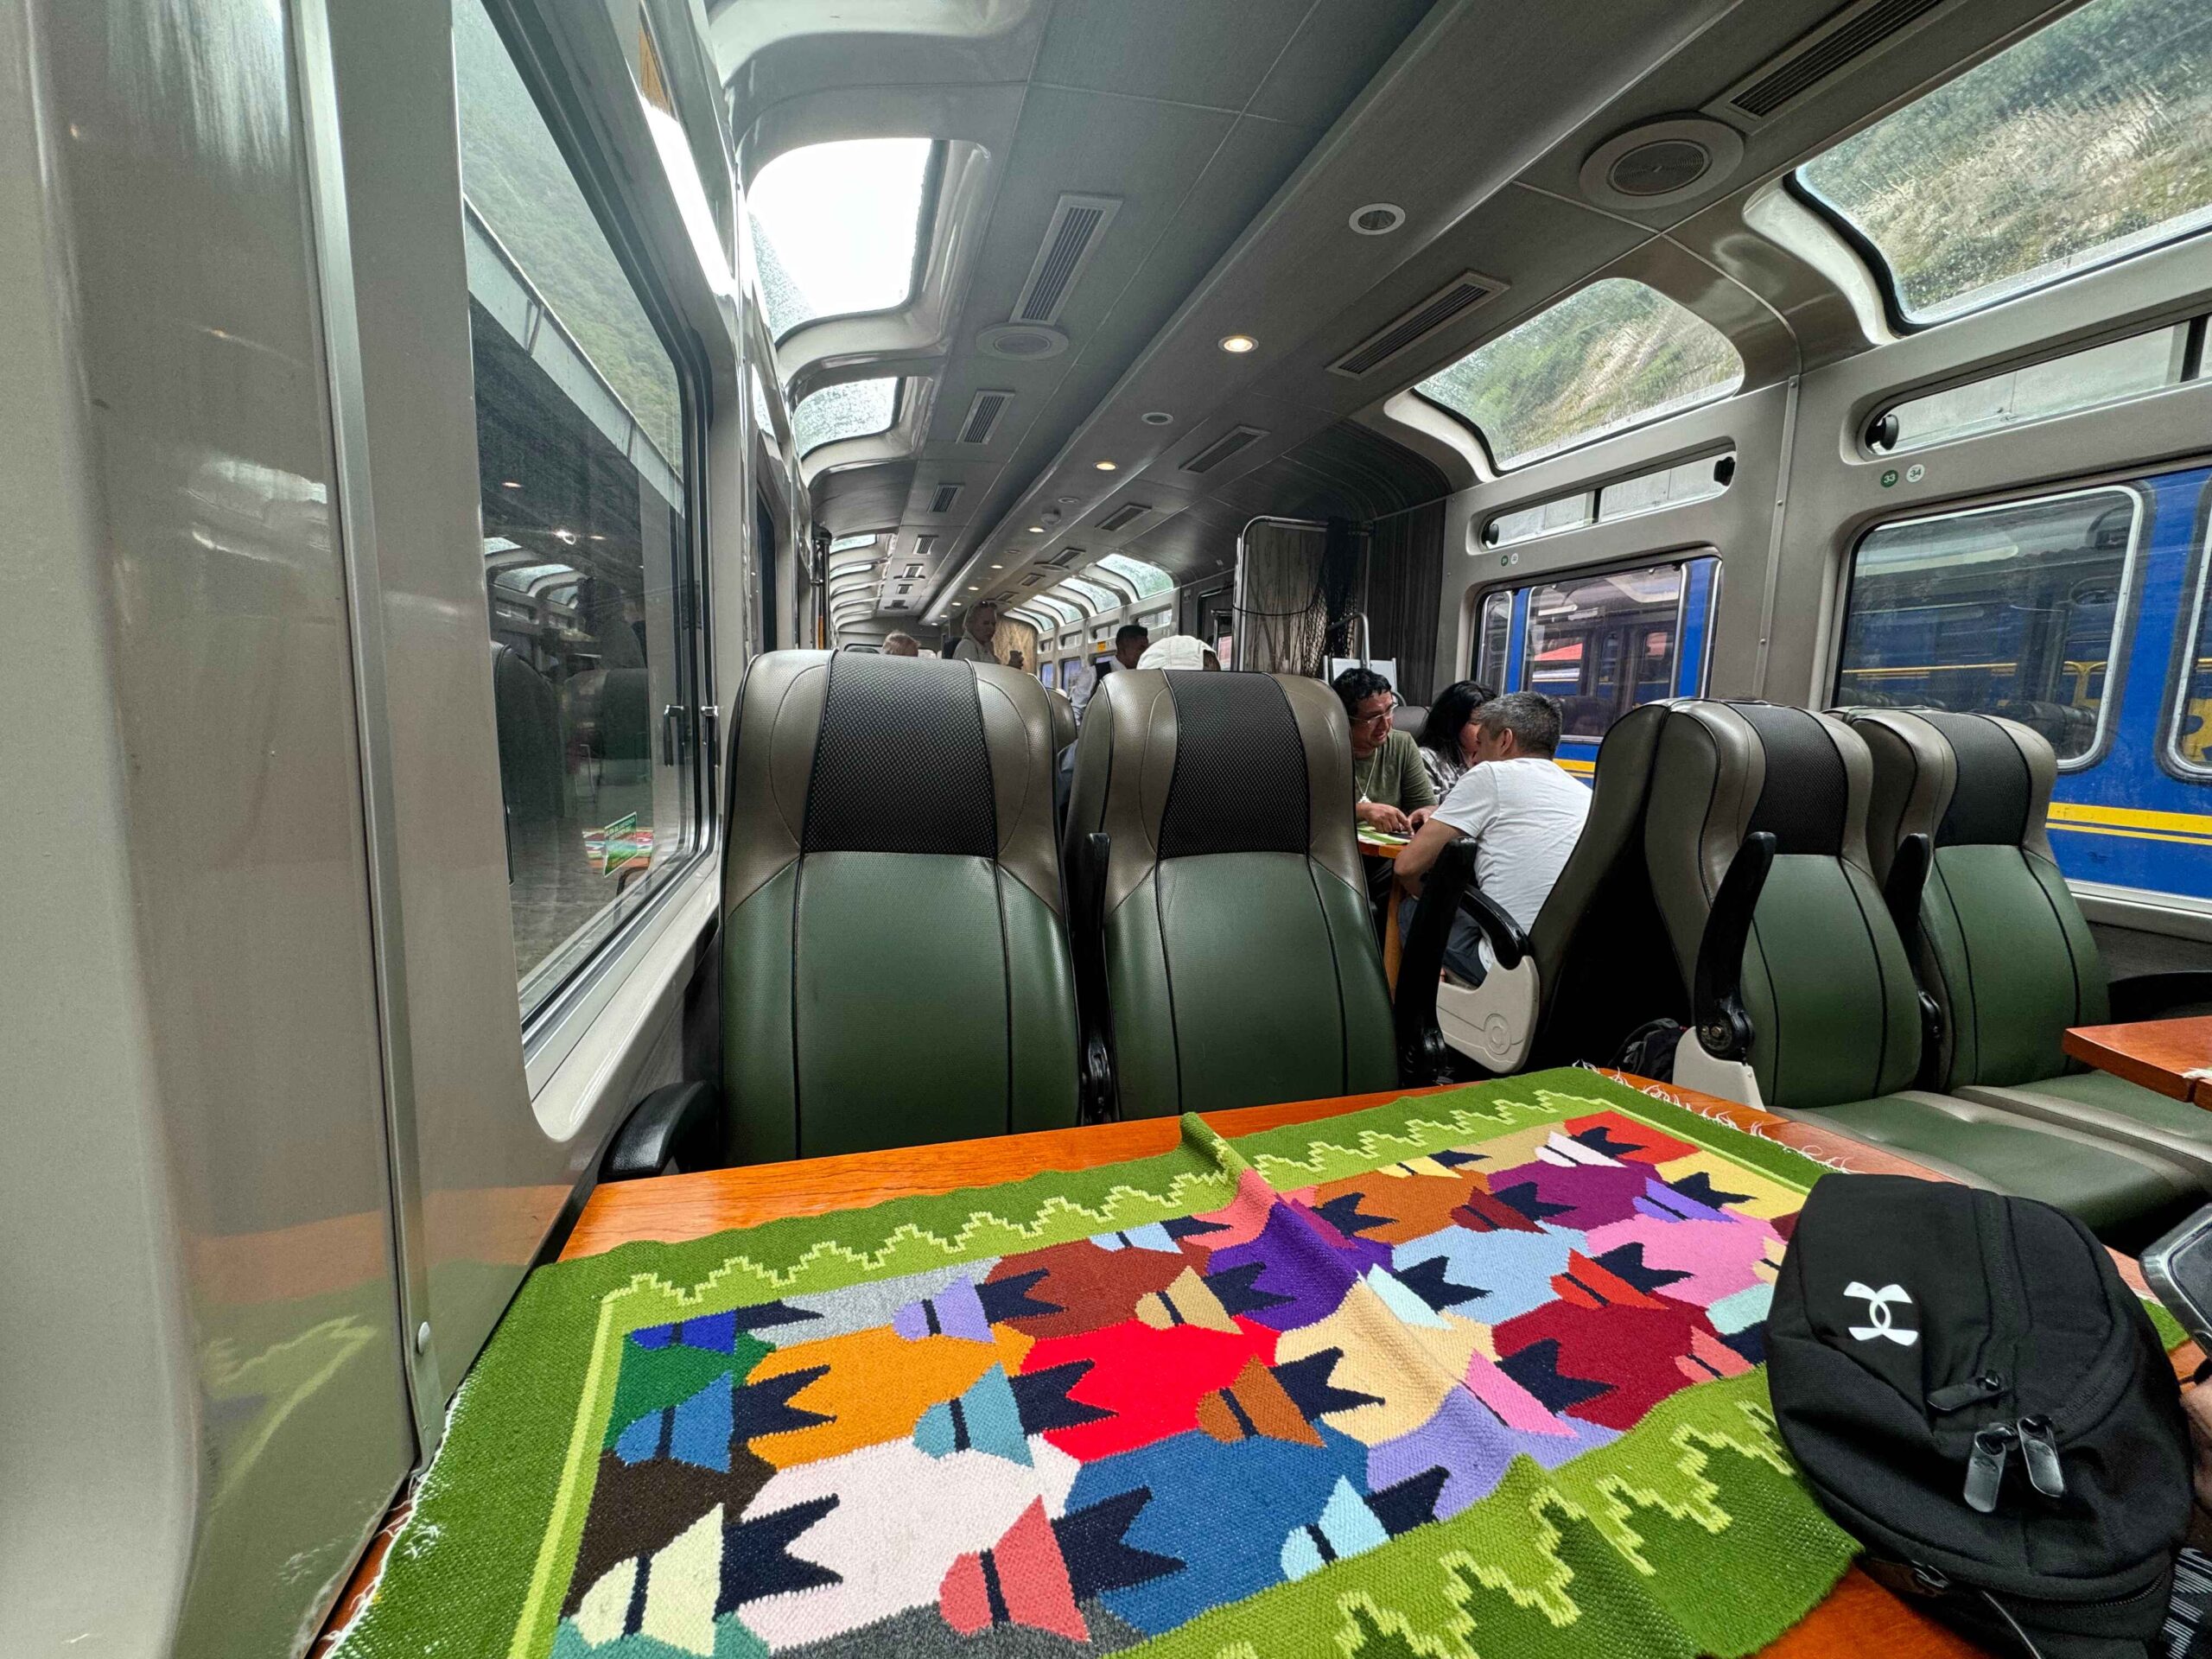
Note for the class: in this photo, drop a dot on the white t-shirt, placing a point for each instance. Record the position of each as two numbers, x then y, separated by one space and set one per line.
1525 816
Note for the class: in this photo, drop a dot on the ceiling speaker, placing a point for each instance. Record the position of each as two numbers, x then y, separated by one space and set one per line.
1662 164
1022 342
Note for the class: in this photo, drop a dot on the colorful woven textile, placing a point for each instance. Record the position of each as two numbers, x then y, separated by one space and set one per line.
1476 1374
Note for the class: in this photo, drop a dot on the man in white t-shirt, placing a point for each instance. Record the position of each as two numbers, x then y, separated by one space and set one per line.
1523 812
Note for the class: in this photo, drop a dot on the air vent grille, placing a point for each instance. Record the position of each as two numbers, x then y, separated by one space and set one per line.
1850 34
910 572
1033 578
1456 298
924 545
945 496
1066 558
1070 240
983 416
1223 447
1124 515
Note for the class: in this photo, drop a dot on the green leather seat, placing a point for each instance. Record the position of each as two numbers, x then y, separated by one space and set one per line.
895 966
1831 1020
1239 954
2004 948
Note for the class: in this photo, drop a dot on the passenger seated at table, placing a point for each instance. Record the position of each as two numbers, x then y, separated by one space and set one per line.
901 645
1522 809
1447 736
1392 788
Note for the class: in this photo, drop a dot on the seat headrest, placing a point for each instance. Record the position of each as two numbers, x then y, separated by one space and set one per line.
1994 800
1805 798
1239 782
900 765
1409 717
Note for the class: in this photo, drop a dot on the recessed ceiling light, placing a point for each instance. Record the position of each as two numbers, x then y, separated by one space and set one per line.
1377 218
1036 529
998 567
973 588
1157 417
510 483
1238 345
1106 466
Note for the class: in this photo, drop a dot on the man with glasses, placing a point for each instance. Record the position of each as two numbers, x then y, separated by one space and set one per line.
1395 795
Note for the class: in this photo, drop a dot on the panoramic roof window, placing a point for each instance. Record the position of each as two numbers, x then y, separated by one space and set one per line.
856 409
2086 141
1613 356
836 227
1146 579
1088 594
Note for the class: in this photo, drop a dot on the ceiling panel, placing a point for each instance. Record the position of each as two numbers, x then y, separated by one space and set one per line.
1217 50
1337 51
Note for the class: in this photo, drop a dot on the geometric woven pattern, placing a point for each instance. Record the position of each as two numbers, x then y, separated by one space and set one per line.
1477 1374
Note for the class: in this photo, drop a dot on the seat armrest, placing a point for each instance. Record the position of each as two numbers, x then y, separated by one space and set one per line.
2161 996
1723 1030
669 1131
1096 1087
1507 944
1901 898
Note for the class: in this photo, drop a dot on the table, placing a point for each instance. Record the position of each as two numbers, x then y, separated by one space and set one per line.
2158 1054
1394 944
1858 1617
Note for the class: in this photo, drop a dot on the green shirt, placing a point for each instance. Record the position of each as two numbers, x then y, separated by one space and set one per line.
1393 775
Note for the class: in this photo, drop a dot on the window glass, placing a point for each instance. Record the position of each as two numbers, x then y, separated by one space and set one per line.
579 437
1545 519
1124 593
2189 739
853 409
763 416
1146 579
1493 637
844 544
1058 610
2079 380
1088 594
2088 141
1158 623
1670 486
1601 645
1613 356
835 228
1049 672
2010 610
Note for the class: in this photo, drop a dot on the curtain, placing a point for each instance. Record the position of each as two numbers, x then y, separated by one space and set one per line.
1405 579
1282 615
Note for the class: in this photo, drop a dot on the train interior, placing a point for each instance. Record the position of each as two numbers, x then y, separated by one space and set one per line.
472 464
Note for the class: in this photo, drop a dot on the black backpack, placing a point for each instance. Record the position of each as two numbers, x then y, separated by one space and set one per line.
1973 1393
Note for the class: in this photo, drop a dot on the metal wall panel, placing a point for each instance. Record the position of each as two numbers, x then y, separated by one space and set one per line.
205 1412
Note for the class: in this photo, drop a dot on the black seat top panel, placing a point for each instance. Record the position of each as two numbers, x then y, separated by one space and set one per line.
900 765
1240 781
1805 796
1990 802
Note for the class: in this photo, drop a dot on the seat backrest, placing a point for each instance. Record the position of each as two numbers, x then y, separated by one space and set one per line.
1835 1011
1603 962
2004 948
1063 718
1241 955
895 965
1409 717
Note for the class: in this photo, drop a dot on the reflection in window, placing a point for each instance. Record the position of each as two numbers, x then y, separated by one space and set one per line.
2010 610
856 409
1602 644
2188 737
1613 356
1146 579
835 228
2040 391
578 433
2088 141
1494 634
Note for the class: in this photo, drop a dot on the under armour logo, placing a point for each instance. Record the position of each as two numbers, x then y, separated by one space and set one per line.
1878 1311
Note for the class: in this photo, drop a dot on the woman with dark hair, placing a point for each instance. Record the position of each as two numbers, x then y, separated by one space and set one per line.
1447 737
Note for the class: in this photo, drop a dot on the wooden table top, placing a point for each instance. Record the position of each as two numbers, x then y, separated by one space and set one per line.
2155 1053
1382 849
1858 1617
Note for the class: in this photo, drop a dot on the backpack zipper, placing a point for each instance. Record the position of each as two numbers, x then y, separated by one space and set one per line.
1986 1467
1960 1396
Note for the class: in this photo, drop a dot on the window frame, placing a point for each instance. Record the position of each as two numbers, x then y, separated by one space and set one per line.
601 946
925 231
2187 625
1523 463
2118 652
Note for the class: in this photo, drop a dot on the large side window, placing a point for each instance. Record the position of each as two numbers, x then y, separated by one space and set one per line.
1602 642
580 423
2189 731
2013 610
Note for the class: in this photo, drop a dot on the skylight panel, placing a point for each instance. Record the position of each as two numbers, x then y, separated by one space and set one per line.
856 408
845 543
2088 141
835 228
1611 356
1146 579
1088 594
